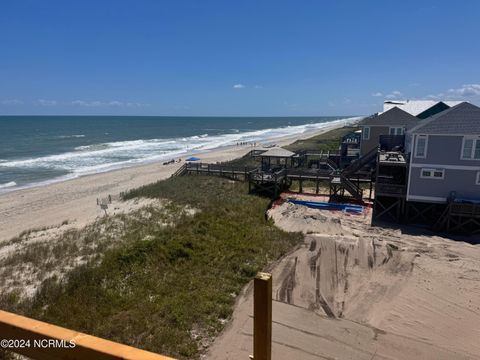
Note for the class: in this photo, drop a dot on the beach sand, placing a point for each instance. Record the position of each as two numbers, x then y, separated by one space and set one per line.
75 200
353 291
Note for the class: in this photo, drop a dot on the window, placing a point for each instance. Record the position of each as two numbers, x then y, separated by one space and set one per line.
478 178
421 146
397 131
366 133
471 148
432 174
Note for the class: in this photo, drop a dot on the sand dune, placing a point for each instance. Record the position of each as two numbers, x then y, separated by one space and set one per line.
356 292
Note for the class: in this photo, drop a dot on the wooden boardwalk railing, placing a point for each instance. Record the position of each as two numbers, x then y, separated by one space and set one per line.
42 341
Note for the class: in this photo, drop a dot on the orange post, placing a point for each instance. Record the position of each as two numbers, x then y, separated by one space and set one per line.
262 317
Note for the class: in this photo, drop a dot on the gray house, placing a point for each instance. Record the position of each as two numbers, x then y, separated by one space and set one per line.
392 122
445 156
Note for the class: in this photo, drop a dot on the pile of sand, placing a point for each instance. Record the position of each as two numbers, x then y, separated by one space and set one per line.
306 220
391 294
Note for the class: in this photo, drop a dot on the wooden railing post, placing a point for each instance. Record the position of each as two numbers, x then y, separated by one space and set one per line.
262 317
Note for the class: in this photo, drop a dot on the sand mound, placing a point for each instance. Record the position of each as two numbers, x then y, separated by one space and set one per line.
371 293
302 219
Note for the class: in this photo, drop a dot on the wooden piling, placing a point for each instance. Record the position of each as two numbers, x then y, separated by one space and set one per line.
262 317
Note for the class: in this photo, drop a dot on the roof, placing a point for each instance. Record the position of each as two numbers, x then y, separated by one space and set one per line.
462 119
415 107
435 109
277 152
394 116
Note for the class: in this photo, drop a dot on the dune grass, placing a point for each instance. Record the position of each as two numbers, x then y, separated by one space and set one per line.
169 289
326 141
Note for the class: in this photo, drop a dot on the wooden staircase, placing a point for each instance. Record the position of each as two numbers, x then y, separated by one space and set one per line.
182 170
356 165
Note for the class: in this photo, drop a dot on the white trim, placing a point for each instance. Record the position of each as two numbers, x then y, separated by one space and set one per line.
417 137
432 171
428 198
477 180
402 130
448 167
475 139
363 133
410 166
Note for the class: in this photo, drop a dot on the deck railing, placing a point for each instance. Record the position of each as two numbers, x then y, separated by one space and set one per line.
42 341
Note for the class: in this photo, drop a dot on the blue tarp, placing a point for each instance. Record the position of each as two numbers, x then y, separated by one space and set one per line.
358 209
193 158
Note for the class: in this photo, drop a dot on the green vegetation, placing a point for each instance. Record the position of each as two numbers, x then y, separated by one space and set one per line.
167 289
326 141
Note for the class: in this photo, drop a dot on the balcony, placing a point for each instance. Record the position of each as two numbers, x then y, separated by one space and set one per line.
392 142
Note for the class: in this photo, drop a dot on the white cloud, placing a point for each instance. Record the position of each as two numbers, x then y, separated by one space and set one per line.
377 94
11 102
258 87
466 90
393 95
439 96
238 86
43 102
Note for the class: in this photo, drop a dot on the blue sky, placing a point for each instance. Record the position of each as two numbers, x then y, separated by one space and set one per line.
241 58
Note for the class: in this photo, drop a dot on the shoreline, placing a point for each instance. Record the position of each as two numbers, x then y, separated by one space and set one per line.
83 170
75 200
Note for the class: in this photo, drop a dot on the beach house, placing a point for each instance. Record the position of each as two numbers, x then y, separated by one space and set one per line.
387 128
392 123
435 180
445 156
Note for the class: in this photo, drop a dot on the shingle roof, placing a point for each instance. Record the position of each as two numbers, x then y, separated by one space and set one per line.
277 152
462 119
394 116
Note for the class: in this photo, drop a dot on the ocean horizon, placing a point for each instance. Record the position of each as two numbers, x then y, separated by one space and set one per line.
38 150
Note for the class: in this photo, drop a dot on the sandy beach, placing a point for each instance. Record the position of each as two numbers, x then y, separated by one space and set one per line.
75 200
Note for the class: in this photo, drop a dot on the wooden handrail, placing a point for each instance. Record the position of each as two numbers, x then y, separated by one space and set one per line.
50 342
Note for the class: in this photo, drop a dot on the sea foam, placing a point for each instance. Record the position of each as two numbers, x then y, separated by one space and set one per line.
101 157
8 185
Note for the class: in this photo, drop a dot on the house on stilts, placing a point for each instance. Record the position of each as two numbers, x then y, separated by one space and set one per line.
435 179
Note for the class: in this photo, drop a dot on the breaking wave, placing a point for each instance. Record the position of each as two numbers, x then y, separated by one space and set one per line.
94 158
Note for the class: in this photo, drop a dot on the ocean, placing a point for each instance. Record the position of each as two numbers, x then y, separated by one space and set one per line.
36 150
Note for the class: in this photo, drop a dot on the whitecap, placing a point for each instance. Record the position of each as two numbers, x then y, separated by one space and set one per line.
71 136
8 185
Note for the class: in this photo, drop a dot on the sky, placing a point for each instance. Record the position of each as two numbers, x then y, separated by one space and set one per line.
234 58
